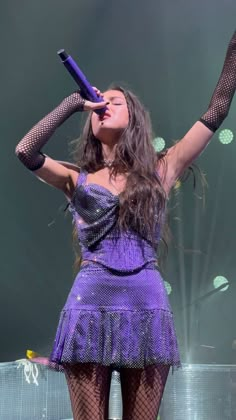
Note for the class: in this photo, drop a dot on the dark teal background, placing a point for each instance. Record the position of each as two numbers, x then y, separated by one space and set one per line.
170 53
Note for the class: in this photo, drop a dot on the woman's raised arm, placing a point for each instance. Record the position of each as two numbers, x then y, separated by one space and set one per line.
183 153
28 150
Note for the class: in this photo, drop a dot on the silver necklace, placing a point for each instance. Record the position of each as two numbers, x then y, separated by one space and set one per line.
108 162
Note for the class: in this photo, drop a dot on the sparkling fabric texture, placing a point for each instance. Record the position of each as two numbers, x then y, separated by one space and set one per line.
28 150
224 91
117 312
95 211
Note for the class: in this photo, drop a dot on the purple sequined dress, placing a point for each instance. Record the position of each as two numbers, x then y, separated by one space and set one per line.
117 312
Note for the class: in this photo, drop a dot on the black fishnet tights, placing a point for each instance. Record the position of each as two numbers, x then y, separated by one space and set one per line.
89 387
142 391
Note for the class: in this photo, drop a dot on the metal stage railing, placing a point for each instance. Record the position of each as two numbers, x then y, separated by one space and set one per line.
29 391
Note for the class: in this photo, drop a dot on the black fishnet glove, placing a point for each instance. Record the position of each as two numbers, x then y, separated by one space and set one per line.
224 91
28 149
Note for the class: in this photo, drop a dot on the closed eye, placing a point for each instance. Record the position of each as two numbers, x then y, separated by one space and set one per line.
116 100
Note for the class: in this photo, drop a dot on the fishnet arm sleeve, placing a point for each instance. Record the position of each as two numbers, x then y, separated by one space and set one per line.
223 94
185 151
28 150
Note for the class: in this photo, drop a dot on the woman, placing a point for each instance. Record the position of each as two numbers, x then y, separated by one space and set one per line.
117 314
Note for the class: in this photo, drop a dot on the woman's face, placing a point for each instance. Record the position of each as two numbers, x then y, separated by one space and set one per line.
115 120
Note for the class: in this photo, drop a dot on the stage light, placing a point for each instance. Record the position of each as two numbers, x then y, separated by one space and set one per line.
218 281
226 136
168 287
159 144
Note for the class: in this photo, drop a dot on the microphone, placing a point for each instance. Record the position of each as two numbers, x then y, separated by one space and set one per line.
87 91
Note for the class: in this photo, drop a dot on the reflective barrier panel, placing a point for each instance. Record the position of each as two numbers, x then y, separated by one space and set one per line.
29 391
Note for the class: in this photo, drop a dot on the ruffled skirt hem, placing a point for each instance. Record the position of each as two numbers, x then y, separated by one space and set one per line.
118 338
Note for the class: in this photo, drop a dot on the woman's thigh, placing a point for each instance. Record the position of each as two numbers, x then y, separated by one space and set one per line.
142 391
89 387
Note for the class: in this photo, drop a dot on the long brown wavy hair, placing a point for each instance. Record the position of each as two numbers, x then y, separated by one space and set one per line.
142 204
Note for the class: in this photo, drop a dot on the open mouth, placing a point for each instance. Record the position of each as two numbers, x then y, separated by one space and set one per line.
104 116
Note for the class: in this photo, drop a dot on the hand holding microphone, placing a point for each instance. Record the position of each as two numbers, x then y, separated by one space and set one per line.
94 106
92 99
75 102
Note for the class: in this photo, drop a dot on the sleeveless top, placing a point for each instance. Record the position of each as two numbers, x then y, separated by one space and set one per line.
94 209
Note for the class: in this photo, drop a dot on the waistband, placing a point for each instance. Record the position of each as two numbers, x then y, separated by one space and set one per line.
97 266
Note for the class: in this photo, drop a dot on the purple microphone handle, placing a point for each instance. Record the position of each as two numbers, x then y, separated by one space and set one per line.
86 89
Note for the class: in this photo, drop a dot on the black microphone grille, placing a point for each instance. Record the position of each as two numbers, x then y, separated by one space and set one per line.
62 54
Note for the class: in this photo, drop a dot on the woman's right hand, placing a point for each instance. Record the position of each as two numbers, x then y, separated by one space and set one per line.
78 103
90 106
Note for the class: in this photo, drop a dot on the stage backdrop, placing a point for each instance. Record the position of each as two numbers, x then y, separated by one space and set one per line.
170 53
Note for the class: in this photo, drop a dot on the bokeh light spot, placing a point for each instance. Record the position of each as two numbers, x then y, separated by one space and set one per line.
168 287
226 136
159 144
219 281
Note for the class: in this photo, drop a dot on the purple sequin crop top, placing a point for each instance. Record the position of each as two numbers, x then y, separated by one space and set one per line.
95 210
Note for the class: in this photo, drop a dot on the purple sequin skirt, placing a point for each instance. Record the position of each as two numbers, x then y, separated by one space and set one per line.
117 319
